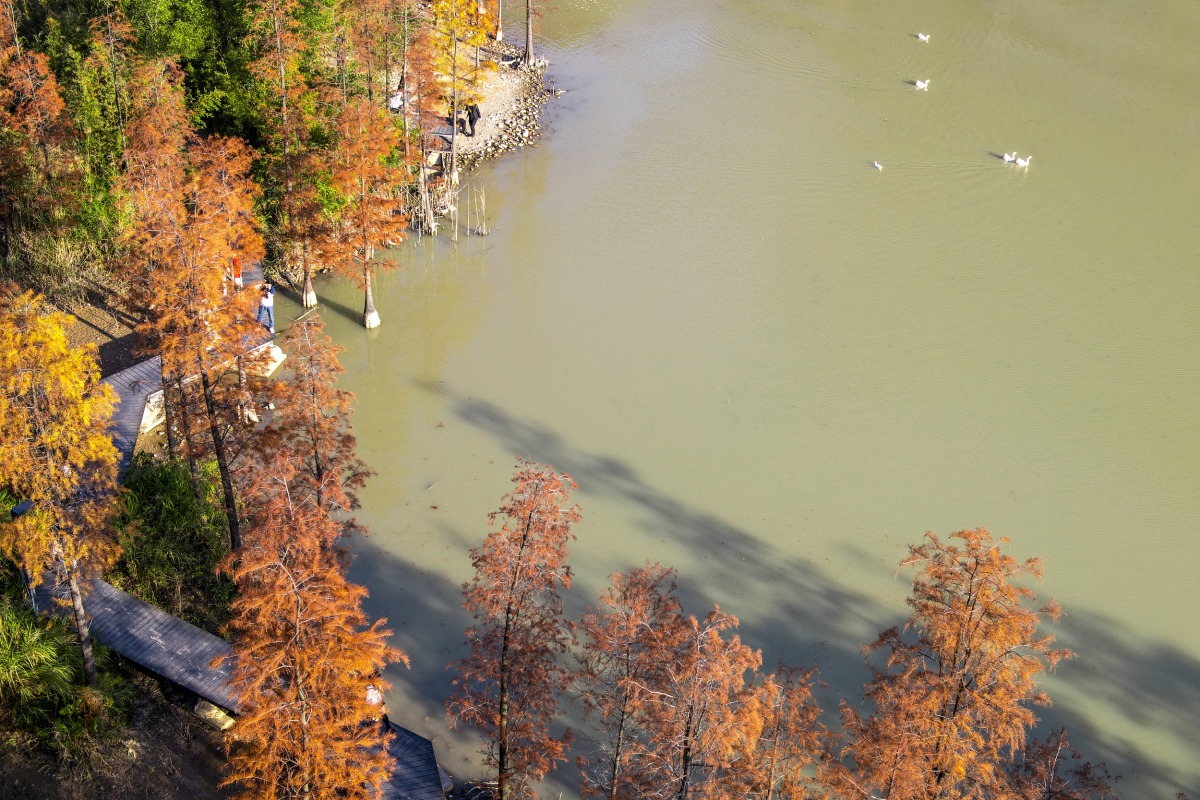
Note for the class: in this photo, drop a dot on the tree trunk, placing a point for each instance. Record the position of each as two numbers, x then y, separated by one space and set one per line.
310 294
454 112
499 20
186 419
404 81
169 422
502 727
618 754
246 412
528 31
370 315
81 625
235 529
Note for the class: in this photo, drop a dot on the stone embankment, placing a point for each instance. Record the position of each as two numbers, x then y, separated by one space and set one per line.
513 96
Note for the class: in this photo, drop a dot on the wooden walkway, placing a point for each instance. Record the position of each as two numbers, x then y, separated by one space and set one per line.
415 771
183 654
154 640
133 387
178 651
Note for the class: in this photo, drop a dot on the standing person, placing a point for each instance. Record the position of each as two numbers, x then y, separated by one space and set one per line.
266 303
237 272
473 116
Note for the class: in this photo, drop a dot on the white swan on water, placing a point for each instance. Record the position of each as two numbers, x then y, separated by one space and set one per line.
878 166
924 37
921 85
1024 162
1010 157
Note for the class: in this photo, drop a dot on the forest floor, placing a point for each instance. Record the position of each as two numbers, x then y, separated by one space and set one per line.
166 753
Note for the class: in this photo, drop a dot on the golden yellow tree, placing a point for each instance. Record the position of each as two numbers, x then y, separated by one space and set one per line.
55 452
457 27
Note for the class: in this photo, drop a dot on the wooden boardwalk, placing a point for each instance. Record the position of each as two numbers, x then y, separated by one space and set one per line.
415 771
178 651
183 654
133 387
153 639
161 643
136 384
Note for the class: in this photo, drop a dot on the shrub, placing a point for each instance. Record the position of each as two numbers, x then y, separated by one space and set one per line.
39 666
172 543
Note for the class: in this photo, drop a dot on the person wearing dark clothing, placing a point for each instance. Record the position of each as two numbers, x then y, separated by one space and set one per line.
473 116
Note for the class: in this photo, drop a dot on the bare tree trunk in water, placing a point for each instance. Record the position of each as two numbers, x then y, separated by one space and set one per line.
370 315
310 294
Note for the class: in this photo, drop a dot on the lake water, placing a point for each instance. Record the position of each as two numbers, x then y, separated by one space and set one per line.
773 367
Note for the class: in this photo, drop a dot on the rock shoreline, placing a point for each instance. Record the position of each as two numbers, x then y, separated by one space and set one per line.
511 108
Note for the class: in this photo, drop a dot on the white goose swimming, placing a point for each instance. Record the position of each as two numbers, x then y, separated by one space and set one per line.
921 85
1024 162
878 166
924 37
1010 157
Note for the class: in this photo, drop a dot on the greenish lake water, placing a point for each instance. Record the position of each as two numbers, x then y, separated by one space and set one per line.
773 367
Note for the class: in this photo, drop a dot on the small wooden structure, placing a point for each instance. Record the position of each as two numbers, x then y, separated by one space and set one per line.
140 393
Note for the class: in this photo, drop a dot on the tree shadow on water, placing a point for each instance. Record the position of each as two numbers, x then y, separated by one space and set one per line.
810 616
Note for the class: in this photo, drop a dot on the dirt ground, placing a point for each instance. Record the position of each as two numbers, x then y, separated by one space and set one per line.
166 753
102 322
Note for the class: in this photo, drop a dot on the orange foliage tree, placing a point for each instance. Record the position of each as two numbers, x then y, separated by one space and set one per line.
312 422
1050 769
787 741
304 655
368 179
55 451
952 707
629 637
39 166
669 691
295 164
190 202
696 721
509 684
